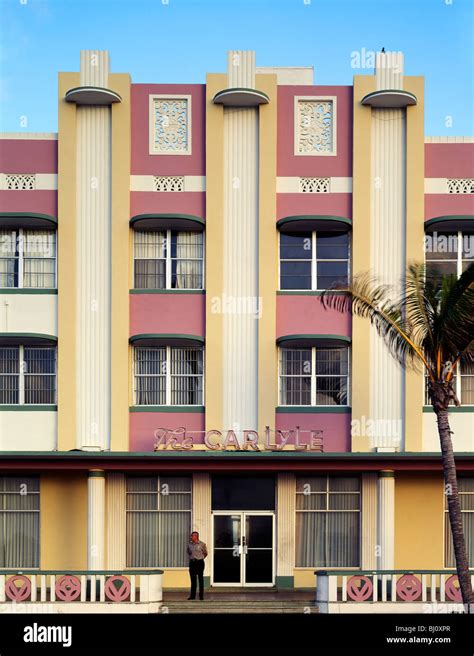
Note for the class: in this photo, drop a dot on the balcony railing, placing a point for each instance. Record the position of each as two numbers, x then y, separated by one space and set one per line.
26 591
388 591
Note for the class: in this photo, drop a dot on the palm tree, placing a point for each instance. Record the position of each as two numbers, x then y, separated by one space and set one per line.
429 325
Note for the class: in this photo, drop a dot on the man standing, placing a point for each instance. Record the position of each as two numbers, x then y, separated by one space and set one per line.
197 551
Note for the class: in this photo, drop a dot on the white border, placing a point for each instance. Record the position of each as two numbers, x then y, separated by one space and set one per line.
151 130
333 153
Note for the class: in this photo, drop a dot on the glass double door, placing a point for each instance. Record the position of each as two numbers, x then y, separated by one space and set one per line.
243 549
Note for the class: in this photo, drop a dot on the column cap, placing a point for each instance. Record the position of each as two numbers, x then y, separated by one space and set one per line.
386 473
96 473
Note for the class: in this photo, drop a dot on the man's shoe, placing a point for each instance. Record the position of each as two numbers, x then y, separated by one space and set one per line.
201 598
191 598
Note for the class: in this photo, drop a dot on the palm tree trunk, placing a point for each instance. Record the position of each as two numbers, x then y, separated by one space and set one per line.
454 509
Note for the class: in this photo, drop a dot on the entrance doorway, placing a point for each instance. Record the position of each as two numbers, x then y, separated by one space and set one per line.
243 548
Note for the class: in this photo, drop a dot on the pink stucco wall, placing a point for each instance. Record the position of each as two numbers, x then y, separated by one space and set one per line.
303 315
28 156
323 204
145 164
144 424
336 428
42 202
156 202
449 160
167 313
448 204
290 165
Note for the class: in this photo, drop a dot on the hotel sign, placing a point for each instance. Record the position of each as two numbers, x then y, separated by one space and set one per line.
179 439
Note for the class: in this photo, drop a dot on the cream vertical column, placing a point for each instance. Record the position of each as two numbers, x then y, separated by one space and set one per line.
96 520
201 514
369 521
116 521
386 520
285 547
93 261
240 280
388 246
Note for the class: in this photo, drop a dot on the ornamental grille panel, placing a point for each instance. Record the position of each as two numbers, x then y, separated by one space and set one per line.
314 185
168 183
461 185
20 181
171 126
315 127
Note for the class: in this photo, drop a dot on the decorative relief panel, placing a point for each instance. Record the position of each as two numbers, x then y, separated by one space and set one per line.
170 119
315 126
168 183
460 185
19 181
314 185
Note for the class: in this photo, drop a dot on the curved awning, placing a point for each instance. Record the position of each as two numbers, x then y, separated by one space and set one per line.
27 220
240 97
449 223
28 339
309 222
187 222
166 339
92 96
389 98
305 341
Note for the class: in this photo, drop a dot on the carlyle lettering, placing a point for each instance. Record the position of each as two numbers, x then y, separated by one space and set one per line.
215 440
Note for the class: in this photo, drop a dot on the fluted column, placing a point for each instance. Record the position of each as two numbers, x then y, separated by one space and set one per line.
286 500
201 515
369 521
386 520
116 521
96 520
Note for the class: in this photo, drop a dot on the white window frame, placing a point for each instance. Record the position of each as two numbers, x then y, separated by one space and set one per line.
168 377
313 376
168 260
151 122
20 232
22 373
314 264
296 126
326 492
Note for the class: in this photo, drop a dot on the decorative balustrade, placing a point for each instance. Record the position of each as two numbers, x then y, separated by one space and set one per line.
28 590
378 590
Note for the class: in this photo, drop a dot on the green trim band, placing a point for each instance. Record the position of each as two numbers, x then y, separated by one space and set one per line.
51 338
185 217
449 218
17 407
253 94
296 292
96 474
285 581
29 215
313 409
91 95
83 572
27 290
455 409
386 474
168 291
329 218
383 93
167 408
293 338
165 336
355 572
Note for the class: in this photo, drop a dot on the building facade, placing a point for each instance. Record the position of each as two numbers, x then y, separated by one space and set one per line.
166 364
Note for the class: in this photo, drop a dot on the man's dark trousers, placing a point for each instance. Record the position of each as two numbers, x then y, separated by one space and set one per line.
196 570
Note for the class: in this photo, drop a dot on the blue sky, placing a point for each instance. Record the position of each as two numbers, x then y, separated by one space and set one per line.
181 40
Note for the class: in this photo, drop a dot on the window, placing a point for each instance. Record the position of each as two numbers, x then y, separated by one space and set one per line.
28 258
313 261
158 521
168 375
27 375
170 125
314 376
315 125
168 260
449 252
19 522
327 521
466 498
